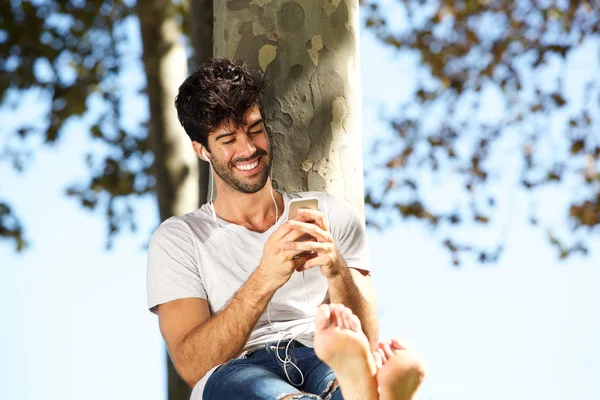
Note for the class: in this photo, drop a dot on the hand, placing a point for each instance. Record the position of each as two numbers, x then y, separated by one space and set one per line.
279 263
327 257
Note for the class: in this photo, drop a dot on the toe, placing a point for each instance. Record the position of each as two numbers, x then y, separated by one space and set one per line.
322 317
339 316
348 318
382 354
399 344
355 324
387 349
334 317
378 360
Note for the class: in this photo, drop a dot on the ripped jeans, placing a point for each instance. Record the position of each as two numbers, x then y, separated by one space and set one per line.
260 376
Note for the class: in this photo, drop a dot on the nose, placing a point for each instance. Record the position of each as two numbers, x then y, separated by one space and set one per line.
246 145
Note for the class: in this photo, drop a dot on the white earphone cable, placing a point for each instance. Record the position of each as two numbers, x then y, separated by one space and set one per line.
284 335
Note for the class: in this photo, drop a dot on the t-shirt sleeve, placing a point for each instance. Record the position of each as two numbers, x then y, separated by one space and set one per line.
349 233
172 269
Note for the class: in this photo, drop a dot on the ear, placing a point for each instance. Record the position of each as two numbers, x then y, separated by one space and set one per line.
201 151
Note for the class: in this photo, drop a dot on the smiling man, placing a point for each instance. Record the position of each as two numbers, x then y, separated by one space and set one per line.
248 312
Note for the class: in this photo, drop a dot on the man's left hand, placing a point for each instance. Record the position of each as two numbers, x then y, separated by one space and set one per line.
327 254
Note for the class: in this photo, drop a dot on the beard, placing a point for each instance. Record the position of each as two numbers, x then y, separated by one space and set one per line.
226 171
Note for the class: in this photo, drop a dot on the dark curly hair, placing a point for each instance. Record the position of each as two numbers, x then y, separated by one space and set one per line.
219 90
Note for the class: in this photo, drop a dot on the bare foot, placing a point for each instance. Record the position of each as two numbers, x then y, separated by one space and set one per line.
400 370
341 344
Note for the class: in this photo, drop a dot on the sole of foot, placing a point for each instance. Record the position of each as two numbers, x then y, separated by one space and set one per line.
340 342
400 370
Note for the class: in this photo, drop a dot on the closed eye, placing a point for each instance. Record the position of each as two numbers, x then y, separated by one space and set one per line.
249 133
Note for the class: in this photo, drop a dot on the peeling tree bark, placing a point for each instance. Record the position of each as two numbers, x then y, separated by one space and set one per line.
175 164
309 51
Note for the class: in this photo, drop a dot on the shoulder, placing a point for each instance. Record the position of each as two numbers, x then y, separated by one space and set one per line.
184 226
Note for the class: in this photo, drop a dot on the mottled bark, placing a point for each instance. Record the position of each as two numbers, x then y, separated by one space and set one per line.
309 51
175 164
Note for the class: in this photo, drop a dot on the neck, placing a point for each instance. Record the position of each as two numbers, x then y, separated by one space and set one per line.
255 211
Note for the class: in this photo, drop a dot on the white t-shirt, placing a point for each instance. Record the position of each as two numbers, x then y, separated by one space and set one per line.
190 257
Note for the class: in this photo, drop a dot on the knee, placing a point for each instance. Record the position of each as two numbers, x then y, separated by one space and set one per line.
331 388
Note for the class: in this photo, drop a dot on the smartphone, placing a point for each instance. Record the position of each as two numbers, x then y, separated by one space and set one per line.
293 206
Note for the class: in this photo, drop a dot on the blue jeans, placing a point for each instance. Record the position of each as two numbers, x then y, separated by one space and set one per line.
260 376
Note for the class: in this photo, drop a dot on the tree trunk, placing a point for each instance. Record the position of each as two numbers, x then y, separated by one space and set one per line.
309 51
175 163
201 34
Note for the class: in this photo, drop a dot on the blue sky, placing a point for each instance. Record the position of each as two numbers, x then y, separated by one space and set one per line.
75 322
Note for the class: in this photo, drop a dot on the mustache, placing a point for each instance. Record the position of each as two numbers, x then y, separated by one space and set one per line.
257 153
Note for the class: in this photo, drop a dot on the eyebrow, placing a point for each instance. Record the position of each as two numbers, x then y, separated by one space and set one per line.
233 133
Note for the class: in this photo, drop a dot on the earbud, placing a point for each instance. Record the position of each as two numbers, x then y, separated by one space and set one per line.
205 156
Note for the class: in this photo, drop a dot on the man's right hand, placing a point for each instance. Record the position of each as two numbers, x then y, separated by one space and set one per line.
278 264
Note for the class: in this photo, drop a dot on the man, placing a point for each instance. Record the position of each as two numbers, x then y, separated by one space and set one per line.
236 294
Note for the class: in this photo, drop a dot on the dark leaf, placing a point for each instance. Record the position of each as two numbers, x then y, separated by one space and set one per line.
577 146
558 99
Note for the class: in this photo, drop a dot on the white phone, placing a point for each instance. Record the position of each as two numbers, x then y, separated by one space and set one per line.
293 206
306 202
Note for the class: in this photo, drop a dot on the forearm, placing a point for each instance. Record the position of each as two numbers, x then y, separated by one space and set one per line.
343 289
223 336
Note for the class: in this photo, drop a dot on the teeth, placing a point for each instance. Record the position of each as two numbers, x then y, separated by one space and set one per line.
247 167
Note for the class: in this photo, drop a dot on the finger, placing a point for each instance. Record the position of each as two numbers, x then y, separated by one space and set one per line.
307 246
293 255
315 215
311 229
303 218
299 261
282 231
293 235
308 257
317 261
292 252
303 268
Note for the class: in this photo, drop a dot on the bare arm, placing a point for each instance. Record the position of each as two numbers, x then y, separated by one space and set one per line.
198 342
354 289
349 286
